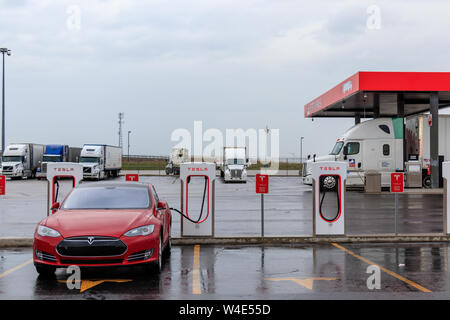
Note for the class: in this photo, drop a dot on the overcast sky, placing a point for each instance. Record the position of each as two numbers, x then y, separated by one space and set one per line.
230 63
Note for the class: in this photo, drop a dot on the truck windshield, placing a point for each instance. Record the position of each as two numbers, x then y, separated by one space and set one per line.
51 158
235 161
337 148
11 159
89 159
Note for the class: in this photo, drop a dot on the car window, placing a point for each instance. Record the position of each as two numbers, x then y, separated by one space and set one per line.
110 197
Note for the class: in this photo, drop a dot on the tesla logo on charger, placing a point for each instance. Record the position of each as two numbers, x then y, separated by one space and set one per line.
63 169
197 169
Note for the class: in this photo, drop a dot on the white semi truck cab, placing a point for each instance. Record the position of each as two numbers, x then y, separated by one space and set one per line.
100 161
21 160
234 165
371 145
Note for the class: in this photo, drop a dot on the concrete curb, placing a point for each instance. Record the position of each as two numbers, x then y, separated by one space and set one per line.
11 242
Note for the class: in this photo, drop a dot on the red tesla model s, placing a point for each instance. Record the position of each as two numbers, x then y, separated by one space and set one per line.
104 224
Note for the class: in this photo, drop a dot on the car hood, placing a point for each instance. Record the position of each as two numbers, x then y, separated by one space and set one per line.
328 157
90 164
114 223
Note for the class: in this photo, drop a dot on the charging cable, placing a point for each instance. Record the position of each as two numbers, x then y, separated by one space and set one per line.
201 210
329 184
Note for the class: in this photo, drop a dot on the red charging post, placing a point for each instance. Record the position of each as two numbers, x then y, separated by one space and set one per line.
132 177
262 187
2 185
396 188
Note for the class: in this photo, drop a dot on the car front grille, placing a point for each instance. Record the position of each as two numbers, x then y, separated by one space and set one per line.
90 262
91 247
7 169
86 170
236 173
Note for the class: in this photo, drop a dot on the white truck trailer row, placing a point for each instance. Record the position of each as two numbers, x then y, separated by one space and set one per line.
383 145
29 160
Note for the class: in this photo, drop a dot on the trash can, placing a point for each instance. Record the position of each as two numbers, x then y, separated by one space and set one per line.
413 174
372 183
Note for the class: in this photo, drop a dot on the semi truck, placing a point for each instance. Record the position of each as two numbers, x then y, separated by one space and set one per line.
383 145
177 157
101 161
21 160
57 153
234 165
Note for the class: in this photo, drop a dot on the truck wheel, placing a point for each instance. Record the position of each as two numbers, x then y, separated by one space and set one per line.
427 182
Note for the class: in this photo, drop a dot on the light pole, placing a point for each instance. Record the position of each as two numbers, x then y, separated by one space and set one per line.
129 146
301 152
8 52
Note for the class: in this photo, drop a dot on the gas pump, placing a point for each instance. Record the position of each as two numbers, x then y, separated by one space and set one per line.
328 197
57 171
197 199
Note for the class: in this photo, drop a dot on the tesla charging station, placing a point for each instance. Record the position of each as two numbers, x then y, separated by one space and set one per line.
197 198
328 197
56 170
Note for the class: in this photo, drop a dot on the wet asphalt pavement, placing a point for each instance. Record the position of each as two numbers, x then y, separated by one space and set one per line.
288 208
407 271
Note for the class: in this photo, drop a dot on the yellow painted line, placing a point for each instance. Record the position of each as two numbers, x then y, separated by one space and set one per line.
308 283
389 272
196 286
20 266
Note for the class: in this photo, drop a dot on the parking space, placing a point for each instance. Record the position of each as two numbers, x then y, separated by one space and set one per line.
331 271
288 208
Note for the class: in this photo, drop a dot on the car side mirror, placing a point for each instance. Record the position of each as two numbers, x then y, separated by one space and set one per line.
161 205
55 206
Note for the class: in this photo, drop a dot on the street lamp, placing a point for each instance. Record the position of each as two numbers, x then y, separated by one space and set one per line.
8 52
129 146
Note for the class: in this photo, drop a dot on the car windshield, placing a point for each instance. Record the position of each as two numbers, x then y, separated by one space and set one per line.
108 197
89 159
235 161
337 148
11 159
51 158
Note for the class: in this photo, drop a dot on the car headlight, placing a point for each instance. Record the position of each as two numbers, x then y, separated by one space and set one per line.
44 231
140 231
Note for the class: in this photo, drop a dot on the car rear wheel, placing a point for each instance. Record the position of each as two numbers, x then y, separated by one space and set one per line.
45 271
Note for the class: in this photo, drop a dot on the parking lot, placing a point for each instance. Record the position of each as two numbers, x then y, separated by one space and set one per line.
334 271
309 271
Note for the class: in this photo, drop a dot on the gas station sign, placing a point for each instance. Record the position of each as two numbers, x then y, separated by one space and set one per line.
262 183
2 185
397 182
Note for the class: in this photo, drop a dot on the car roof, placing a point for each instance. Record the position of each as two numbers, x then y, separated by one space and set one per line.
114 184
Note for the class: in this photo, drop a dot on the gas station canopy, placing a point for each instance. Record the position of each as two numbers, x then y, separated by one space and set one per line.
382 94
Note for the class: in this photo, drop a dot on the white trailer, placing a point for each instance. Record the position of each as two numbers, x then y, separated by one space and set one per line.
21 160
101 161
234 164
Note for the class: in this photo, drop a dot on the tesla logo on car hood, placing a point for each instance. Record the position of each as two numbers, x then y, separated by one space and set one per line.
90 240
